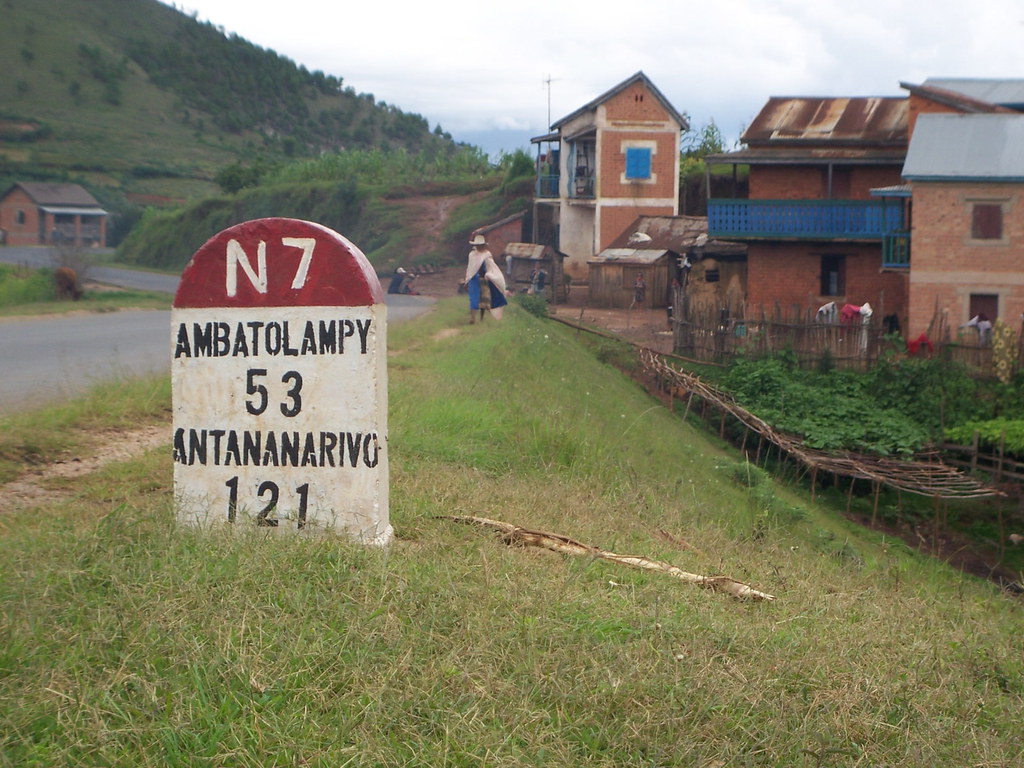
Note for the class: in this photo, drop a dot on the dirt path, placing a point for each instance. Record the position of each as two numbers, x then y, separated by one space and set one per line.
33 487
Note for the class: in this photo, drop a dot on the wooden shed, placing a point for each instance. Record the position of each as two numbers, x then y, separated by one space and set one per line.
613 273
522 259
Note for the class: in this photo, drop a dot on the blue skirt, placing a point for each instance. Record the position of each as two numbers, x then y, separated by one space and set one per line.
473 286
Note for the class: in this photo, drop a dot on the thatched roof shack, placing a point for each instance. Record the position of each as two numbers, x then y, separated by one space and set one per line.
521 259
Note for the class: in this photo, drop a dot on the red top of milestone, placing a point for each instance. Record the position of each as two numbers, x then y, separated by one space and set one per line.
278 263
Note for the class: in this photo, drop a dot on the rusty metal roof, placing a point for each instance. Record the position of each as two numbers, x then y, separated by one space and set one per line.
856 121
796 155
638 256
531 251
678 234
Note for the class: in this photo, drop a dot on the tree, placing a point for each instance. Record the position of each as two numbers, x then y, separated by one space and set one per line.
696 145
707 141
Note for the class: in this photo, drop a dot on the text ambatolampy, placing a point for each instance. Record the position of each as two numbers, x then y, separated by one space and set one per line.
256 337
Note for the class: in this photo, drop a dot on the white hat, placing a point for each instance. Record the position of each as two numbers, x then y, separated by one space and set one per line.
401 271
478 240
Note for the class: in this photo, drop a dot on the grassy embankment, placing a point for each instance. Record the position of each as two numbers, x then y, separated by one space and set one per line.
128 642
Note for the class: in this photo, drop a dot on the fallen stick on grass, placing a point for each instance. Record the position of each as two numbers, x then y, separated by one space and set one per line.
513 534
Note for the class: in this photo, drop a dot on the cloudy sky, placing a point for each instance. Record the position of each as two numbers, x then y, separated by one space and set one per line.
485 71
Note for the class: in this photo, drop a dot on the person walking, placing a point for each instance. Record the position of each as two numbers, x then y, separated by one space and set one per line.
484 281
639 290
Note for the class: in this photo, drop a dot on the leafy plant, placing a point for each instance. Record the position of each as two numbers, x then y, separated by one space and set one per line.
834 411
535 305
991 434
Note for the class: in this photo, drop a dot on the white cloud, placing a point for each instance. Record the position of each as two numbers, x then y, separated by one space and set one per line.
476 67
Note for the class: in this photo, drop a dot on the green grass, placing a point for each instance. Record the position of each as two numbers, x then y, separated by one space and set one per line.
32 438
126 641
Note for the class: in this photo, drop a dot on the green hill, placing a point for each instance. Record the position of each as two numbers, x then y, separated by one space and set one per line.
144 104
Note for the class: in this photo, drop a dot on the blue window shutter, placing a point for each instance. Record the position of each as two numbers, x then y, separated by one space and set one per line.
638 163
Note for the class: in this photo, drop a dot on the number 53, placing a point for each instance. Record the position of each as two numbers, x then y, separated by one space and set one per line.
258 405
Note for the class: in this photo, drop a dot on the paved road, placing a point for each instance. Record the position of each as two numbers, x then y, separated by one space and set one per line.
45 358
124 278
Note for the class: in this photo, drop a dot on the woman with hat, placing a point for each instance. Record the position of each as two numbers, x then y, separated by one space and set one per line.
484 281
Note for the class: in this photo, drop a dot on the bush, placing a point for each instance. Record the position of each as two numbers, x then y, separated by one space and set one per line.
535 305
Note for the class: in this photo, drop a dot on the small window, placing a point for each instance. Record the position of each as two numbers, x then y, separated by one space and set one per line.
19 217
987 221
833 275
638 163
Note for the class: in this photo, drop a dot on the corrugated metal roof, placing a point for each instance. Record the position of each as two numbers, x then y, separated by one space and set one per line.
678 234
795 155
70 210
987 147
850 120
45 193
896 190
1002 91
959 102
628 256
524 250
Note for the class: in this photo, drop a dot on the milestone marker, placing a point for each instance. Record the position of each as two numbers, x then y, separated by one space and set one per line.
279 383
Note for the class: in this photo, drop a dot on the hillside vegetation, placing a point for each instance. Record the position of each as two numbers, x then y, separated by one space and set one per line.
129 642
144 104
369 196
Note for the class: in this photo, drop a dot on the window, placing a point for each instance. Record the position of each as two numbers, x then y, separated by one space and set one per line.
19 217
638 163
986 221
984 306
833 275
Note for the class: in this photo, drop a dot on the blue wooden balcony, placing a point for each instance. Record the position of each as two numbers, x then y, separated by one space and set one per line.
896 250
547 186
804 219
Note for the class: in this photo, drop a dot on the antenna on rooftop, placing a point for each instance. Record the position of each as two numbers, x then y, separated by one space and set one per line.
548 81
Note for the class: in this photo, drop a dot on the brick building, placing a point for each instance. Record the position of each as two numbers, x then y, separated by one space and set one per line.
39 213
501 233
815 228
967 176
613 159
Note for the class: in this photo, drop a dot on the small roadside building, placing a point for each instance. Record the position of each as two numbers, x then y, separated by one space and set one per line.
523 260
669 252
614 271
44 213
